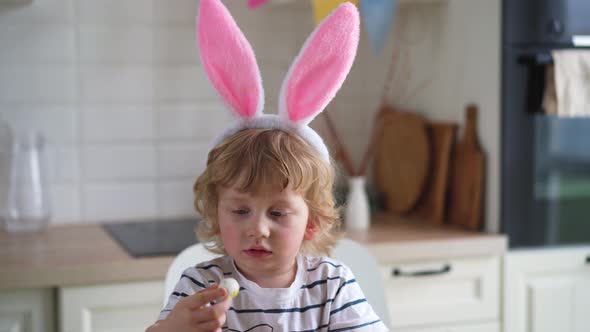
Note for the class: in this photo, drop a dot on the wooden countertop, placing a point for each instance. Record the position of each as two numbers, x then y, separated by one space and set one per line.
69 255
394 239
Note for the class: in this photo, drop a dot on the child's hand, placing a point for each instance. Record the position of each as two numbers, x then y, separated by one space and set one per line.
192 314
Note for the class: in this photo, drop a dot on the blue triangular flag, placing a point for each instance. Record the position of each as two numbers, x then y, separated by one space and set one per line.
378 17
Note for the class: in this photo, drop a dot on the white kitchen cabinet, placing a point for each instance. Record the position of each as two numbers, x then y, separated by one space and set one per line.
27 310
455 294
128 307
547 290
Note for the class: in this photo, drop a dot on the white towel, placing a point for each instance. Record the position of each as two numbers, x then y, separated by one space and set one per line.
571 86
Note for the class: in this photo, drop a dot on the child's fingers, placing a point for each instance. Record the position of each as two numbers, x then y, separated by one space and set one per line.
215 311
203 297
211 326
225 304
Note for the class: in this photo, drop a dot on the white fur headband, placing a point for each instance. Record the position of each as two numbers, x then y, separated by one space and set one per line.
315 76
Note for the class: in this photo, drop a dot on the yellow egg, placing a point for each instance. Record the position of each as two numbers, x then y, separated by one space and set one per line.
231 286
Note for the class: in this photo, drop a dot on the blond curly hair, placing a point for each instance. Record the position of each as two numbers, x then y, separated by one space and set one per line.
254 159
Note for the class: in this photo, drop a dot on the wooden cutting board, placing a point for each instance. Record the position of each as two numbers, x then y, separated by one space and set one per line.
402 158
467 177
432 204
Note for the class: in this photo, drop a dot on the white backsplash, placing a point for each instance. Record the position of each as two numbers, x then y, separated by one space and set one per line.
116 87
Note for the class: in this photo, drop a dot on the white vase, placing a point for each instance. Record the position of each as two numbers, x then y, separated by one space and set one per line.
357 213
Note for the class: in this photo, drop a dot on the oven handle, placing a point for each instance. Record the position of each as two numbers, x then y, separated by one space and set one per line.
397 272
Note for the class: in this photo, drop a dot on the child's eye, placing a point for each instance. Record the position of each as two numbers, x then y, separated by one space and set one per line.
240 211
277 214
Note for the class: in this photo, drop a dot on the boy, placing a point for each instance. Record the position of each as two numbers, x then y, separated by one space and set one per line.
266 194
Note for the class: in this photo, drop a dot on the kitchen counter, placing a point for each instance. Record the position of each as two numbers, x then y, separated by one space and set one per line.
68 255
395 239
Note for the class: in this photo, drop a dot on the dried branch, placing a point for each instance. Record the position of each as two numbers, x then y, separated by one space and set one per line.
341 152
375 136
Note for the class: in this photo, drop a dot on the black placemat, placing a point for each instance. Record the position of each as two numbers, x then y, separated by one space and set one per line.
154 238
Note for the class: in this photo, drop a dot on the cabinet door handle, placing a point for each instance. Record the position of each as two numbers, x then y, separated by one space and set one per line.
396 272
588 259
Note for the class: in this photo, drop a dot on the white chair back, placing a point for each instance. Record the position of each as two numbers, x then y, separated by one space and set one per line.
353 254
190 256
367 273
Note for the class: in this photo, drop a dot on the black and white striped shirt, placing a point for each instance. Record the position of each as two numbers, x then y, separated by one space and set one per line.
324 297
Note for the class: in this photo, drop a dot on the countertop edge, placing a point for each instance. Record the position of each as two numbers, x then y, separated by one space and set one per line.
154 268
431 249
85 255
142 269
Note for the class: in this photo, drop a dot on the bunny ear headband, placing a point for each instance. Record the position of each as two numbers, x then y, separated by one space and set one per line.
315 76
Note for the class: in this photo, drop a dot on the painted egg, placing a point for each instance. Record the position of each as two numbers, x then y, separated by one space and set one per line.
231 286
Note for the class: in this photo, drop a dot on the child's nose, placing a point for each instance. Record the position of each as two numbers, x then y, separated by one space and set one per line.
259 227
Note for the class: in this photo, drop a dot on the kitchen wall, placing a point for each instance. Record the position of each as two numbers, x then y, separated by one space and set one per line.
116 87
454 59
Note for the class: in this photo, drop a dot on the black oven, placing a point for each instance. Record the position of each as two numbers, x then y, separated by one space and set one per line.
545 160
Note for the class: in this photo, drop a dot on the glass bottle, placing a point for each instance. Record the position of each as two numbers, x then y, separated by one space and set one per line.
28 199
5 167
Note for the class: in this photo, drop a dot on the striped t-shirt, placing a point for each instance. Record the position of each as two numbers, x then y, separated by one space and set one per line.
324 297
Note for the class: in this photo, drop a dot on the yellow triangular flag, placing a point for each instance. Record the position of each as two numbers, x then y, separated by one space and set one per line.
321 8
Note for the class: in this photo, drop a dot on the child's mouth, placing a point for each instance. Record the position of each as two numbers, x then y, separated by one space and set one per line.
257 253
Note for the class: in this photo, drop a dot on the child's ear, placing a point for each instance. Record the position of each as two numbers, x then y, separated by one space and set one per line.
311 229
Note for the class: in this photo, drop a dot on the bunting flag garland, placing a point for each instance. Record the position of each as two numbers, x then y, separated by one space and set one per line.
256 3
378 17
321 8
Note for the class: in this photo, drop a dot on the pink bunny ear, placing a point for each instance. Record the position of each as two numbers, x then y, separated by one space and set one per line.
228 59
321 67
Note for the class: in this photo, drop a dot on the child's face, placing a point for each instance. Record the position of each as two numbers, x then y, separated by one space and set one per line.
263 232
